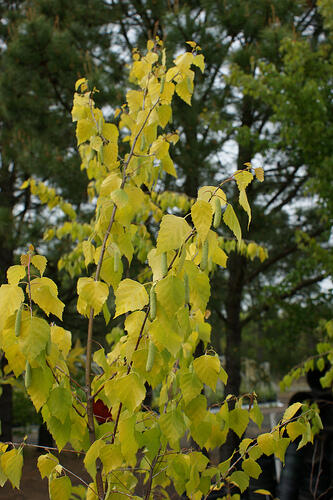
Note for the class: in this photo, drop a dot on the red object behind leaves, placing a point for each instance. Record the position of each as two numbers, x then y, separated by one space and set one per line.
102 412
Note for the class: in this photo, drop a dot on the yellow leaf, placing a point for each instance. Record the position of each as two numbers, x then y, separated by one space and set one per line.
206 193
185 89
243 179
93 293
199 61
11 298
39 261
111 457
219 257
243 201
291 411
110 183
84 130
83 82
172 234
168 165
62 338
130 296
266 443
164 114
202 215
230 219
259 173
184 61
96 143
15 274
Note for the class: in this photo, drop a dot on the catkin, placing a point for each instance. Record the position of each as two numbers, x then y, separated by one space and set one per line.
164 264
217 213
151 355
18 321
152 311
27 376
204 256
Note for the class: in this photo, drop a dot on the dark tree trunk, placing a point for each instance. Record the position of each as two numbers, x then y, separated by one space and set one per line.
6 410
7 202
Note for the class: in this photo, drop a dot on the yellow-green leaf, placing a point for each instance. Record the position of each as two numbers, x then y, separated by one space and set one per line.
12 463
60 488
130 296
202 215
238 420
230 219
170 293
172 234
295 429
46 464
92 455
44 293
208 369
60 403
130 391
240 479
251 468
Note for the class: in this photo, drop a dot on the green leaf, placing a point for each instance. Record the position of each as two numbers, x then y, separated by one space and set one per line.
130 296
238 420
240 479
60 431
46 464
12 463
60 403
164 332
199 286
40 386
170 293
44 293
202 215
128 442
208 369
60 488
172 234
190 385
251 468
172 426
